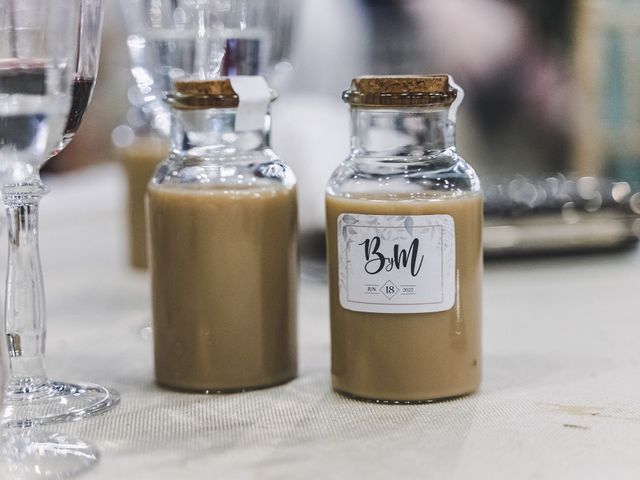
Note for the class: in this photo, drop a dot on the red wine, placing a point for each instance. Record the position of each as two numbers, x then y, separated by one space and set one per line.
81 93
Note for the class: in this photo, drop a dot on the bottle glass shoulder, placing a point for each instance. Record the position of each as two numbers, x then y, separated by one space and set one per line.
252 169
438 174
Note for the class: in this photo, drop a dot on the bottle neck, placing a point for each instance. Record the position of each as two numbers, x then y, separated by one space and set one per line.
211 132
410 132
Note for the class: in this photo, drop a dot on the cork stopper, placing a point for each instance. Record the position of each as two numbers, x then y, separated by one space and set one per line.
197 94
401 91
220 86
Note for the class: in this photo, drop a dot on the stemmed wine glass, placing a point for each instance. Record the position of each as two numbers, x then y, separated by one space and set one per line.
48 61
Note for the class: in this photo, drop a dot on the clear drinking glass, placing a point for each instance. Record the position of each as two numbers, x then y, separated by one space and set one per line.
45 46
205 39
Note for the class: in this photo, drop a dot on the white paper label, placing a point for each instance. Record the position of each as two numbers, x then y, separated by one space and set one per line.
254 97
396 264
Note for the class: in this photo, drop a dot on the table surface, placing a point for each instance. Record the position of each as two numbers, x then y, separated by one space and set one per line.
560 396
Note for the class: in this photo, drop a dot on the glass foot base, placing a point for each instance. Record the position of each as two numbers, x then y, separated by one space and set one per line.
27 454
56 402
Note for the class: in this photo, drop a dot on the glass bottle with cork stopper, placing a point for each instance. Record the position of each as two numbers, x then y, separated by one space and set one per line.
404 225
222 216
139 147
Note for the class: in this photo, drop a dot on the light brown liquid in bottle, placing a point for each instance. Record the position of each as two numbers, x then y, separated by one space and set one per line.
139 161
223 274
410 357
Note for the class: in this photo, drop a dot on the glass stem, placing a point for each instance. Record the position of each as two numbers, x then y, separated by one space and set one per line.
25 305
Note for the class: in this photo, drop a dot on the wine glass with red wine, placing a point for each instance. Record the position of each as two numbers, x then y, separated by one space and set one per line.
46 79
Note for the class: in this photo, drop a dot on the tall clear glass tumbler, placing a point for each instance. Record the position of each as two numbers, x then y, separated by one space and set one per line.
39 59
171 40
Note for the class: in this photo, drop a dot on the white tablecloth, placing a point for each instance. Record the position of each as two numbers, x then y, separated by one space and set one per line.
560 397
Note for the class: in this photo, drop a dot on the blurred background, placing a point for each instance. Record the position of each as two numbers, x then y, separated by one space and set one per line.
552 105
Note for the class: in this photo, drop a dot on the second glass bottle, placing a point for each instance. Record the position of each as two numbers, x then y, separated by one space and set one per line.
404 225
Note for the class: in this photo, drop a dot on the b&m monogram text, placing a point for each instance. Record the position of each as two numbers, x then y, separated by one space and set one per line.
401 258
